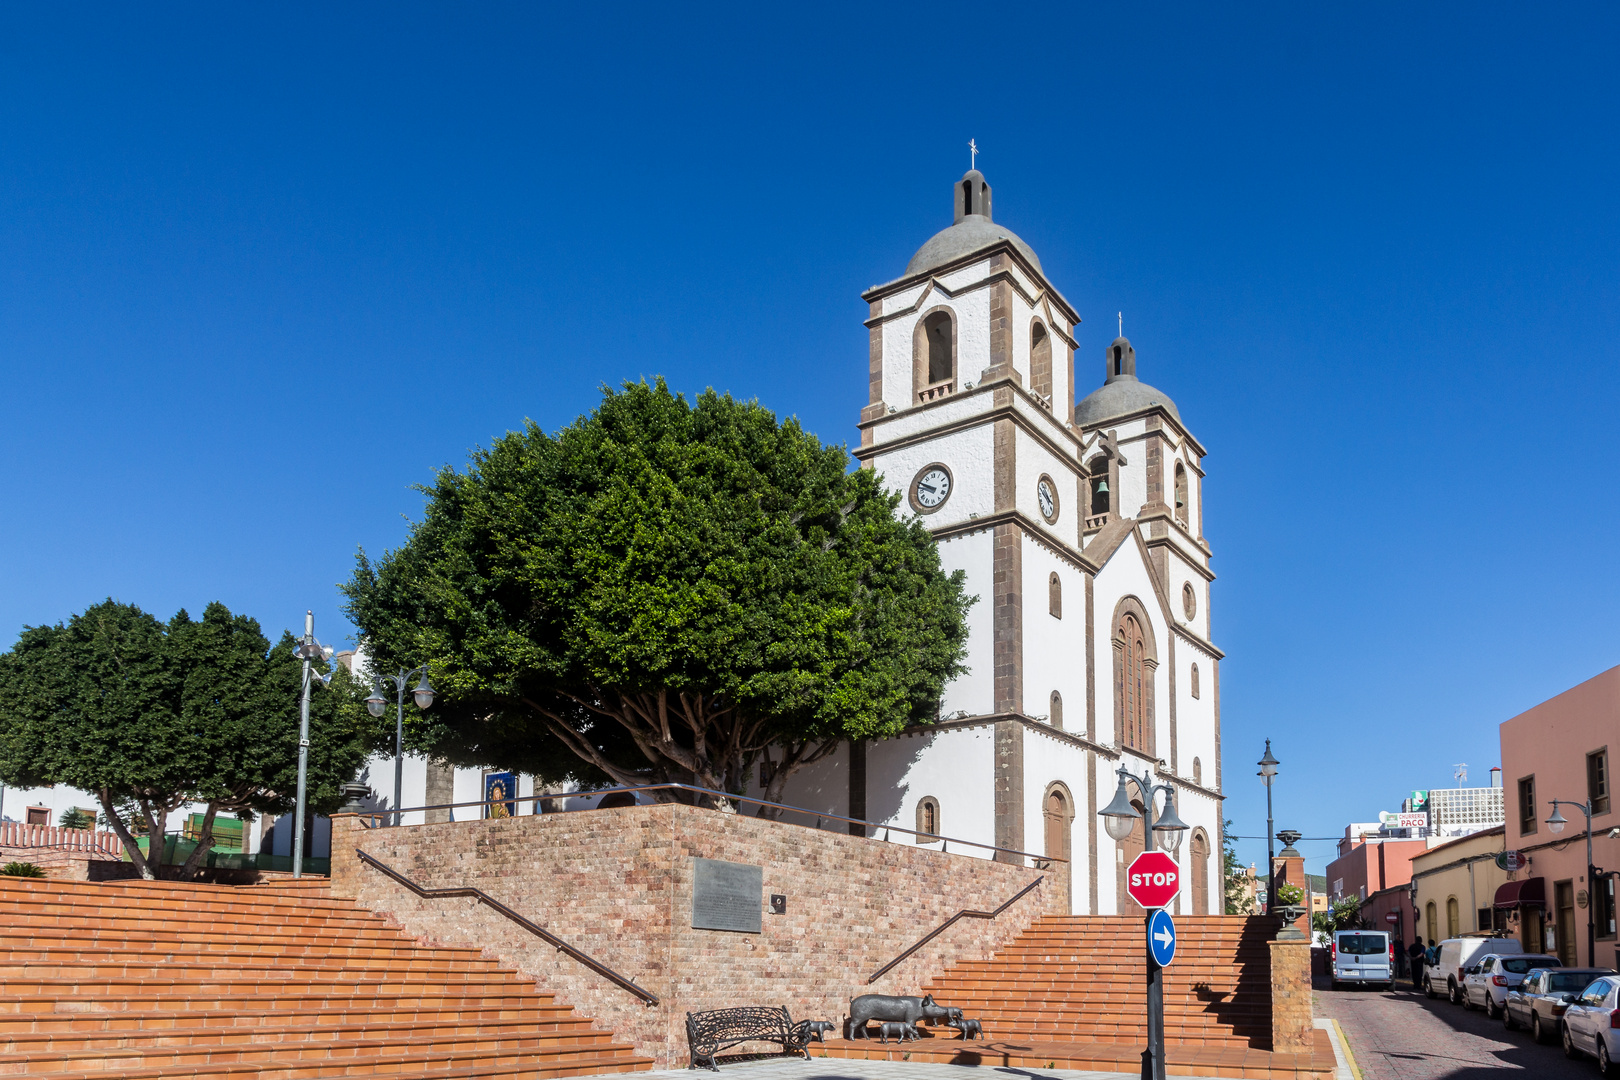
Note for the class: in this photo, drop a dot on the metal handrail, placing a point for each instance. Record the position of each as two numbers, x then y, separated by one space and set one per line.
819 815
942 927
532 927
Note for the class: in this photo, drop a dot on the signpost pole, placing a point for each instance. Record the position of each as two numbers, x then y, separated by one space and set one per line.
1153 1063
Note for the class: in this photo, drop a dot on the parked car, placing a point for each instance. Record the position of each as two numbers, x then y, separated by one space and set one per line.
1458 953
1488 980
1589 1024
1363 956
1539 1001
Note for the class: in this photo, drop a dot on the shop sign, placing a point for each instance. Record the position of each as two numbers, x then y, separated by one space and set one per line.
1512 860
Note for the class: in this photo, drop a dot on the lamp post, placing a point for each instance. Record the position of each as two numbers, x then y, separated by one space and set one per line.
1119 818
1268 771
1555 825
376 704
309 649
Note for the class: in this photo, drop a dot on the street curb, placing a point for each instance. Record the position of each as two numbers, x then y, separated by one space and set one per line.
1338 1032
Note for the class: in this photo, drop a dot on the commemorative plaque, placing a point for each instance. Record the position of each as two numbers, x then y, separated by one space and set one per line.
726 896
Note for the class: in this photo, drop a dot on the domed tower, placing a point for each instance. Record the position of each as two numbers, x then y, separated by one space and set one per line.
1142 462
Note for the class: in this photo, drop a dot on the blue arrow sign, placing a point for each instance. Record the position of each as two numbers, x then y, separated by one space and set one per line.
1161 938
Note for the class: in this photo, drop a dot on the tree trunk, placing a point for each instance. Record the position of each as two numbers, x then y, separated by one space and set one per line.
205 844
132 848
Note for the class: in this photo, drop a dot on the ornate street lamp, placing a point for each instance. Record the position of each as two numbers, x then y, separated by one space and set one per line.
376 705
309 649
1119 819
1268 772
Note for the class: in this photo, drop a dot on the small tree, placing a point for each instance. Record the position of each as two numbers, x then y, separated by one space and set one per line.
664 592
1237 901
1345 914
149 717
76 819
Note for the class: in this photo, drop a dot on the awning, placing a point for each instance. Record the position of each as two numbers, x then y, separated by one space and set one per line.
1531 892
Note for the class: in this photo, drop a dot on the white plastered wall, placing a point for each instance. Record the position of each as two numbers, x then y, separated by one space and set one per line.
956 767
1054 649
970 456
1049 760
973 693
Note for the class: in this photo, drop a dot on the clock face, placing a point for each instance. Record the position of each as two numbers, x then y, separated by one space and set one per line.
933 487
1046 494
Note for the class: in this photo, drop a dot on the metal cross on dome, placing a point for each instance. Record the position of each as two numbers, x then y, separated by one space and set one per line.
973 154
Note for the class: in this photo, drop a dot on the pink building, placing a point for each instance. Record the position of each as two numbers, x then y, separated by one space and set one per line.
1561 750
1369 864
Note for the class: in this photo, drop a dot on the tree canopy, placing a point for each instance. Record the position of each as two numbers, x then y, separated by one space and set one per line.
664 591
149 717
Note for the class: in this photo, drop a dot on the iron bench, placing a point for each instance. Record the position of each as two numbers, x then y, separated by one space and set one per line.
708 1033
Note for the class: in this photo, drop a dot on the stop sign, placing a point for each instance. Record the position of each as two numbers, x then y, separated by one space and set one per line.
1153 879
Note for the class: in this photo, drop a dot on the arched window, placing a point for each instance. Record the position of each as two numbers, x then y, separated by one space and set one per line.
1040 360
937 333
1431 922
1055 717
1198 771
1133 685
1116 353
1453 924
1200 873
1195 681
1054 596
927 819
1181 492
1100 494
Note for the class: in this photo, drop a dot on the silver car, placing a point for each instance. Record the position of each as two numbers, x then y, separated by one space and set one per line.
1488 982
1539 1002
1592 1024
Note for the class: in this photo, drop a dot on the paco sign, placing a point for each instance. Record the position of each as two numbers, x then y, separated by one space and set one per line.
1153 879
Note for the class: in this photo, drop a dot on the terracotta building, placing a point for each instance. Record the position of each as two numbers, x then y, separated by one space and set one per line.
1561 750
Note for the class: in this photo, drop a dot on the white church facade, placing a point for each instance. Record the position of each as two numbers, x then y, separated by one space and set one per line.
1078 525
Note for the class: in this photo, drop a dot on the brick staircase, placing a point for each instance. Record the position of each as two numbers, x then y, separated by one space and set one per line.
1070 992
1082 979
280 982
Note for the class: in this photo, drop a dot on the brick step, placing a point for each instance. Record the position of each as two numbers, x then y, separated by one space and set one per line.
310 1059
26 960
386 942
402 1067
12 974
228 983
540 1017
505 995
179 921
396 1032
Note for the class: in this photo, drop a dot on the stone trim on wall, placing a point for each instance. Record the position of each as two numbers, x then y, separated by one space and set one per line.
1009 789
1045 290
1008 619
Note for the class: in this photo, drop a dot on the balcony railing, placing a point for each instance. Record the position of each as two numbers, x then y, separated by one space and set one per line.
937 391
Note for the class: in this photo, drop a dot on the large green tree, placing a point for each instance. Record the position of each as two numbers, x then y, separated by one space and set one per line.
664 591
149 717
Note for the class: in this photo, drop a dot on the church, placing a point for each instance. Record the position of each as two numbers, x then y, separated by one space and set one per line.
1079 527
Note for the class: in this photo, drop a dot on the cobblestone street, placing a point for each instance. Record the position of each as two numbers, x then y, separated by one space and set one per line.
1405 1036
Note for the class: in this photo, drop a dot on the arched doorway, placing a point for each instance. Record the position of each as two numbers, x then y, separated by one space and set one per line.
1058 814
1124 854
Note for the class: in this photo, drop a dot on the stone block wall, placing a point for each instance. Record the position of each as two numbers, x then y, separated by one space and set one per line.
617 884
1291 1029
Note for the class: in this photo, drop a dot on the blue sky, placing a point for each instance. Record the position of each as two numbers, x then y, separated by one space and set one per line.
262 272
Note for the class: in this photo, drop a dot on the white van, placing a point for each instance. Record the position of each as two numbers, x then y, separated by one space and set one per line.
1363 956
1458 953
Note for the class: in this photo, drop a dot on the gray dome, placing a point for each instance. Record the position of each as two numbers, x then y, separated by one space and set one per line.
970 234
1119 396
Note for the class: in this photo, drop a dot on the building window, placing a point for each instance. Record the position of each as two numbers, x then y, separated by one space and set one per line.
927 819
1597 780
1189 600
39 815
1099 486
1055 717
1054 596
1133 691
1527 805
1198 771
1181 492
1195 682
1040 361
1453 922
1431 922
937 334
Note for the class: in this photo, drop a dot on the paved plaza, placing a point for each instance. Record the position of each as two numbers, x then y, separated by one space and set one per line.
1401 1035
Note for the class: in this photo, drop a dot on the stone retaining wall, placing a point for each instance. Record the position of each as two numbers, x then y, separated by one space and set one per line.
617 884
